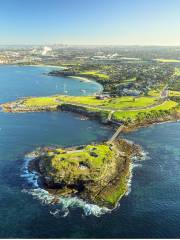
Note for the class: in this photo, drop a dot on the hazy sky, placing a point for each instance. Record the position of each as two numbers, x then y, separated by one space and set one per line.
143 22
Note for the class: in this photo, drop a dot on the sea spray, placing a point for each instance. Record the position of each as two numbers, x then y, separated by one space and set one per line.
63 204
31 176
60 204
136 162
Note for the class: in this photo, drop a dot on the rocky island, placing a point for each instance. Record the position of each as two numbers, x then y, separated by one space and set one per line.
95 173
98 173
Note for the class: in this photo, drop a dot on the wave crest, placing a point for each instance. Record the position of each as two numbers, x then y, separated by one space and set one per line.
63 204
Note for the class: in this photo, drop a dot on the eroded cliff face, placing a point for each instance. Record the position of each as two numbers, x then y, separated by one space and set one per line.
96 173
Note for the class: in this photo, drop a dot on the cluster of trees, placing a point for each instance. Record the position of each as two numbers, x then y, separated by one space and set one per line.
140 76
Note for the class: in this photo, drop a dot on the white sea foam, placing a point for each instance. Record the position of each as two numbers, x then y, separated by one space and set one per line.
144 156
31 176
63 204
136 162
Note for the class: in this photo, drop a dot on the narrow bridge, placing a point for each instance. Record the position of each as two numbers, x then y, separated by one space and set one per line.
115 135
110 115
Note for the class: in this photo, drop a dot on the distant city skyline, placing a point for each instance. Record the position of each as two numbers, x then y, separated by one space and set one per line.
90 22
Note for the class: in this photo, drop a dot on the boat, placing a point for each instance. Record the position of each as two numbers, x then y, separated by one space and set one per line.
65 91
84 118
83 90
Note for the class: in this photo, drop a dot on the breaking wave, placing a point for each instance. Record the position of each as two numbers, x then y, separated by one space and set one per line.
136 162
62 204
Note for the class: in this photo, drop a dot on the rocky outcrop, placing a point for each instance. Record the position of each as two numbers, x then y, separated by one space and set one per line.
96 173
89 112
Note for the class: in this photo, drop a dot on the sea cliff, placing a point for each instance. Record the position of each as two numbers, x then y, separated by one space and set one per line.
96 173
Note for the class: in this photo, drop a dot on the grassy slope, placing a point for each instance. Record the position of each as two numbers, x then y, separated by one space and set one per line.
130 80
91 104
167 60
40 102
71 166
95 74
123 115
174 93
94 156
113 103
177 71
66 165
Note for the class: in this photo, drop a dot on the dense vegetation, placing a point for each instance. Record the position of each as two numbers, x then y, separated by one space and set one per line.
122 78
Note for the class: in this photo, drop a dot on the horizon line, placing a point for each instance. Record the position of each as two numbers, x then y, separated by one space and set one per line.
90 44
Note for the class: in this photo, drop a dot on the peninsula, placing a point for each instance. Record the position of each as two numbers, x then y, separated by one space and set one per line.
99 173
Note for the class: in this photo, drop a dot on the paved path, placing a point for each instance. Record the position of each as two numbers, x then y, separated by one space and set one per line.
115 135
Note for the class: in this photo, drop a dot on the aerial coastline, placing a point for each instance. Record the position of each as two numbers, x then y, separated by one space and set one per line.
106 109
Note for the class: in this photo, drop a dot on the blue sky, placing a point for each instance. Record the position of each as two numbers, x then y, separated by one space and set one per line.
129 22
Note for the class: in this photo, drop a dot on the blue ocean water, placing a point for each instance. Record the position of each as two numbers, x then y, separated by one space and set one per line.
18 81
150 210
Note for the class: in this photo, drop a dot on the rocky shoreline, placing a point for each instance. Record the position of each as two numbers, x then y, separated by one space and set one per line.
97 174
135 126
102 185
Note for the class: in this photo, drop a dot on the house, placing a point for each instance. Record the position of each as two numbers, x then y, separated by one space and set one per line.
103 96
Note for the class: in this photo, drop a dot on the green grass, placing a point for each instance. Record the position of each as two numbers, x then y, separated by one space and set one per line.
126 107
177 71
126 102
117 192
130 80
94 157
90 103
40 102
174 93
124 115
89 163
95 74
167 60
154 93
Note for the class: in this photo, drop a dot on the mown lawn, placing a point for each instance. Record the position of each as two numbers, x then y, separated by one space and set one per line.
40 102
124 115
126 102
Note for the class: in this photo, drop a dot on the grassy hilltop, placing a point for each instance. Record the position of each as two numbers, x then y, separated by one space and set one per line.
97 173
122 109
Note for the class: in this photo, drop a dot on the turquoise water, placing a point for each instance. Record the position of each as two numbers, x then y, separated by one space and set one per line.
151 209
